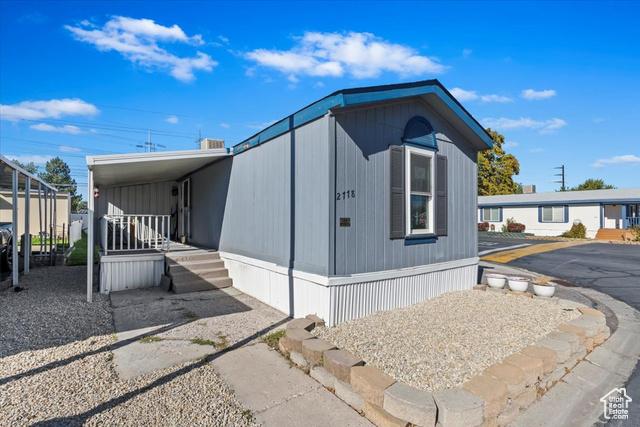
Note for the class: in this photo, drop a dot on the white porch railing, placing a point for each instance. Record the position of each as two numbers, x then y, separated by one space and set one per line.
130 232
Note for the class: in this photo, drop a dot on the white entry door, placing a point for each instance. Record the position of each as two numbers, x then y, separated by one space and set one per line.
184 209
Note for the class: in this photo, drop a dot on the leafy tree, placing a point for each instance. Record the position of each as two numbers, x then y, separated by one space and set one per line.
496 169
58 173
592 184
29 167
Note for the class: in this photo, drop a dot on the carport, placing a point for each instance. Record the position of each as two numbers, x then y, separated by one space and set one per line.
16 178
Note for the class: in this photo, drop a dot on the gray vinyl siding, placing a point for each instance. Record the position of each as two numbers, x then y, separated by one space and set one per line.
149 199
362 164
243 204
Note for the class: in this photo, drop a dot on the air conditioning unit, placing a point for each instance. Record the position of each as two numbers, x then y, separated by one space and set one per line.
528 189
210 144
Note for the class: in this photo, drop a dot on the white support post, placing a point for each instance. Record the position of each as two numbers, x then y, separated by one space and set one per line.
40 215
26 250
90 232
43 238
15 262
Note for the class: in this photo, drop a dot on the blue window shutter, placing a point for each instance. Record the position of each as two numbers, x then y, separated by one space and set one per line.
500 214
396 214
481 214
539 213
442 208
566 213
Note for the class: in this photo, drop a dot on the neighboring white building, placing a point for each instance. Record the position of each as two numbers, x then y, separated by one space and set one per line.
551 214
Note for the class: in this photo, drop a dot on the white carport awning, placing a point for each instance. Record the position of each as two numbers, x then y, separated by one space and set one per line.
139 168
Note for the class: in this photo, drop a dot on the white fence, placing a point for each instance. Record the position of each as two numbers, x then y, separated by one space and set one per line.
134 232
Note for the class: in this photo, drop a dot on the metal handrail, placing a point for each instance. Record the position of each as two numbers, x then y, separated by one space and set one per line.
132 232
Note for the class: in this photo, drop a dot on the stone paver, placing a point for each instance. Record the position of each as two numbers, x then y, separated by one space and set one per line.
571 339
459 408
562 348
370 382
319 374
492 391
382 418
531 367
549 357
590 327
305 324
339 363
313 350
573 329
295 338
512 376
348 395
411 404
318 322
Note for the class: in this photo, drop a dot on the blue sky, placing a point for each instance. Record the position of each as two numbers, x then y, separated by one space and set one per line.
561 81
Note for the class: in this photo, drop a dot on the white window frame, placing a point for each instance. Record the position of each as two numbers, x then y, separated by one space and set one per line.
430 207
484 214
553 208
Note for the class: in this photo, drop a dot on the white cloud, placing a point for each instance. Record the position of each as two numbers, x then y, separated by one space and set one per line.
172 119
626 159
495 98
260 126
225 125
464 95
598 120
318 85
69 149
533 95
37 159
471 95
44 127
545 127
466 52
223 39
52 109
358 55
510 144
137 40
537 150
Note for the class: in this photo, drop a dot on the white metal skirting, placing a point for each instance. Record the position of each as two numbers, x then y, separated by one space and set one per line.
338 299
129 272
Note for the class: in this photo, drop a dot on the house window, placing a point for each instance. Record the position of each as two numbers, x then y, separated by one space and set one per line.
491 214
419 182
553 214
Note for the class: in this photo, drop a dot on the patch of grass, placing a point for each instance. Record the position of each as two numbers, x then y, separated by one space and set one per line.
201 323
189 314
174 302
272 339
200 341
150 339
78 255
223 342
247 414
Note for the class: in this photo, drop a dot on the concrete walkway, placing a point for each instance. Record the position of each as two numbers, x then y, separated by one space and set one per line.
225 327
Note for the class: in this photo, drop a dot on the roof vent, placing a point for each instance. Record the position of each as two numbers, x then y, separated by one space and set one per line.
210 144
528 189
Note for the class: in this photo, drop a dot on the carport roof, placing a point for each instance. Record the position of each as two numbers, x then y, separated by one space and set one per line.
138 168
614 196
6 176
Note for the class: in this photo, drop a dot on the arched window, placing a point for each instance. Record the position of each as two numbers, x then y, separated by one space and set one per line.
419 131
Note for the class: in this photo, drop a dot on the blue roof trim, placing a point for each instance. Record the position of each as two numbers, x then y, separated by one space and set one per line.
365 95
560 202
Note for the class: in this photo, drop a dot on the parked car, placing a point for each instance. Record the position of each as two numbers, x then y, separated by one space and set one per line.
6 240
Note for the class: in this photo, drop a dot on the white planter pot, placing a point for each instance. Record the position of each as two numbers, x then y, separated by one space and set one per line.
496 280
544 290
518 284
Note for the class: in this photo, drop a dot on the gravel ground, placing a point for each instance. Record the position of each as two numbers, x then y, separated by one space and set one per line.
56 366
442 342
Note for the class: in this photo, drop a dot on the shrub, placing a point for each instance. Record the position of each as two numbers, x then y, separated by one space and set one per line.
578 231
505 226
515 227
483 226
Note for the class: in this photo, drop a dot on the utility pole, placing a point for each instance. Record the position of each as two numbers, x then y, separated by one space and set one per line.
149 146
199 140
562 175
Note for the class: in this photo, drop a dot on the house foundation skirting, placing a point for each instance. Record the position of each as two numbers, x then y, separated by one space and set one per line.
340 298
120 273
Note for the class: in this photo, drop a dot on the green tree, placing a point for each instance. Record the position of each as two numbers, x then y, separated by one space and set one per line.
496 169
592 184
58 173
29 167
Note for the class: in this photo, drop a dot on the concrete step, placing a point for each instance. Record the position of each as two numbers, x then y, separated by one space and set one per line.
202 285
211 273
196 266
192 256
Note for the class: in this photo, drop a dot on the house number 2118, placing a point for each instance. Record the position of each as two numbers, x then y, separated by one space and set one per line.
349 194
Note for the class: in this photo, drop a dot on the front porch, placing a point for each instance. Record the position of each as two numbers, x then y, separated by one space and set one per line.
616 219
140 215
